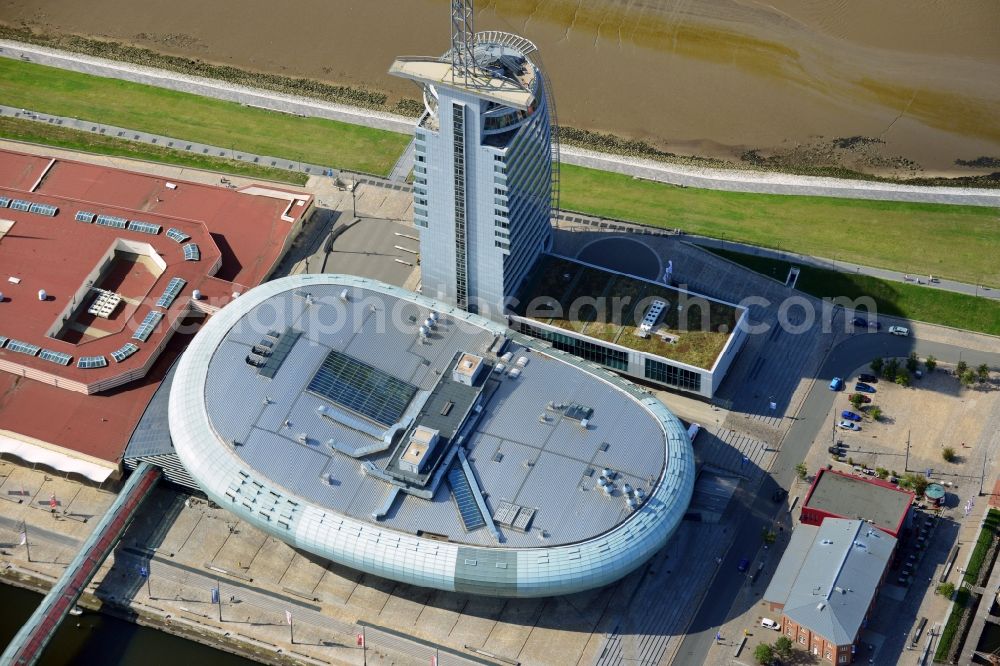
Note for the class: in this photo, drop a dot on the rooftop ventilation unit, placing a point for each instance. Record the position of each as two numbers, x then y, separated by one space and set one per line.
344 296
820 606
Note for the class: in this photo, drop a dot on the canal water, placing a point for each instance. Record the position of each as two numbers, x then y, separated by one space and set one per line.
93 639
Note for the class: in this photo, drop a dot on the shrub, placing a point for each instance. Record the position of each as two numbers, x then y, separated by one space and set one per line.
961 368
877 365
881 472
891 369
903 378
945 590
801 470
948 454
912 362
930 363
875 412
983 373
968 377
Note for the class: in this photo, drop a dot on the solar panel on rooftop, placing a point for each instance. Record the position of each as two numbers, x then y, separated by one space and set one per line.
87 362
111 221
84 216
147 326
124 352
177 235
22 347
170 293
144 227
20 204
58 358
4 202
368 391
191 252
44 209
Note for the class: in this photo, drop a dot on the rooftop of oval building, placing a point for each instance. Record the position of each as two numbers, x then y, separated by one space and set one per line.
401 416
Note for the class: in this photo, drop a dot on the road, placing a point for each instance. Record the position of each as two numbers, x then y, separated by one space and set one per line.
756 512
676 174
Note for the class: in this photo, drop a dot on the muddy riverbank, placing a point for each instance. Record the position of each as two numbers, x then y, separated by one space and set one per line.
894 88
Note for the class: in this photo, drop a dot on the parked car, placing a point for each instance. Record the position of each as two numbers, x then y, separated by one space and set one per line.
768 623
864 388
870 324
899 330
836 384
850 416
835 450
849 425
743 565
867 377
864 399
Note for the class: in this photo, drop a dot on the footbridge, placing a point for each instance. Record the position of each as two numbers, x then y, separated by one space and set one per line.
28 644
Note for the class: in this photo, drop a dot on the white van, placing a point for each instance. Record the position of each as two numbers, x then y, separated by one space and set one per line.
768 623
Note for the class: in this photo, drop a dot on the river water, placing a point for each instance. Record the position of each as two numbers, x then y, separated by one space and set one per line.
916 85
93 639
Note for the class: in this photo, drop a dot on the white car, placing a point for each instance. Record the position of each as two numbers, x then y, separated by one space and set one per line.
899 330
849 425
768 623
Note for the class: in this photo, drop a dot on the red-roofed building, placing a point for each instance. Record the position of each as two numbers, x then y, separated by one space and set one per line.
98 269
835 494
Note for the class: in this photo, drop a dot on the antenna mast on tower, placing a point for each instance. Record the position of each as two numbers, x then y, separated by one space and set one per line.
462 41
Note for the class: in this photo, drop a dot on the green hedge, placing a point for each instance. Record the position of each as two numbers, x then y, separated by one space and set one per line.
982 547
951 627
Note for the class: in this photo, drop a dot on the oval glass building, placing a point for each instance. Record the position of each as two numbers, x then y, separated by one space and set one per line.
409 439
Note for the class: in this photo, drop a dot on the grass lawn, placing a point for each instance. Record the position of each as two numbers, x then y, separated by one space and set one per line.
195 118
892 298
63 137
959 242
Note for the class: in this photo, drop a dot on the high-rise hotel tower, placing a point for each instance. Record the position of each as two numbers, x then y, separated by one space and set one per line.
484 174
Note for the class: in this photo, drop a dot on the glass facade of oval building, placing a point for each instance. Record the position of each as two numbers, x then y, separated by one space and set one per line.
547 474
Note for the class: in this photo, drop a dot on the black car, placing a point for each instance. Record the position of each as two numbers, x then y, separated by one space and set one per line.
835 450
865 377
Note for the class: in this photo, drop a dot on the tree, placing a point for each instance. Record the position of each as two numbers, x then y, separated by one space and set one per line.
857 400
801 470
877 364
764 653
948 454
912 362
967 377
767 536
961 368
891 369
875 412
983 373
930 363
882 472
903 378
946 590
917 482
783 646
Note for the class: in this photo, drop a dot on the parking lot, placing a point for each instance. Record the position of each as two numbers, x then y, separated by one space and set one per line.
916 425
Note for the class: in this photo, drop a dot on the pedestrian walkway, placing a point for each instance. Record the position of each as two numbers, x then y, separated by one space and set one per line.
27 645
927 280
735 180
192 147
